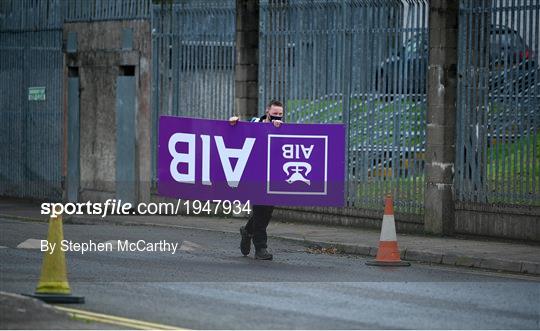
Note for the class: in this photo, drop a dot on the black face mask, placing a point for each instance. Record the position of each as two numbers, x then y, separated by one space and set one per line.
272 118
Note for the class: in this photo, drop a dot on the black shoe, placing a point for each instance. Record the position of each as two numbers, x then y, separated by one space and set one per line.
262 254
245 243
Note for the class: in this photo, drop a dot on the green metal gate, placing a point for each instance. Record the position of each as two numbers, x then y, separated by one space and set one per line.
31 97
362 63
498 139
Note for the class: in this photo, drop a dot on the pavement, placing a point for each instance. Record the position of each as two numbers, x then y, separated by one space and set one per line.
21 312
489 254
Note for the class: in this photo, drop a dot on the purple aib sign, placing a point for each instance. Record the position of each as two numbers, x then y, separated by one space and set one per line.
295 164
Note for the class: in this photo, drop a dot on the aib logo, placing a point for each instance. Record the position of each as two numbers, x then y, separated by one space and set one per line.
297 164
297 172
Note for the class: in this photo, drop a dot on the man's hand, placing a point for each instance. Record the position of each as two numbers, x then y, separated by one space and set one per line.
233 120
277 123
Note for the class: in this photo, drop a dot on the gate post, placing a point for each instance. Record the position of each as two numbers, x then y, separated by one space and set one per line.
441 117
126 155
73 125
73 152
247 59
350 187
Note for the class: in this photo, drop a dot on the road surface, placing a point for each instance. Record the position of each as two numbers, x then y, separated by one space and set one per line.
208 284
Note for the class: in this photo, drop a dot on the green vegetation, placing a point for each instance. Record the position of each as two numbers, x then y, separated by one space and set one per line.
514 168
397 122
408 193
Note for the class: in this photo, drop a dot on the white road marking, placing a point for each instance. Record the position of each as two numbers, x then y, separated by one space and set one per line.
188 246
30 244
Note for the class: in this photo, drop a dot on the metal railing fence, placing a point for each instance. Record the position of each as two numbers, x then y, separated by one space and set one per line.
193 54
28 15
46 14
101 10
498 141
362 63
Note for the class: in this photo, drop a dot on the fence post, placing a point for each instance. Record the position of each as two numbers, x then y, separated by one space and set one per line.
247 59
441 117
350 187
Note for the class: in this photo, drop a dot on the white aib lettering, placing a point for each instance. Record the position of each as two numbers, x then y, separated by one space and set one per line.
293 151
233 175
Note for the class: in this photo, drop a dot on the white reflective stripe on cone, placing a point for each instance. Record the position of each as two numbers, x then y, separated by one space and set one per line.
388 231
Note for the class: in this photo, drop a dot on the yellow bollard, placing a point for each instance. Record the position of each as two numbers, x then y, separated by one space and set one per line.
53 286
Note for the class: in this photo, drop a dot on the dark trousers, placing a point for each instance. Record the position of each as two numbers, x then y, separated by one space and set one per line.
257 224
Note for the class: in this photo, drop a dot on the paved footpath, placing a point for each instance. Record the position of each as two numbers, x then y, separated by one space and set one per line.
20 312
486 254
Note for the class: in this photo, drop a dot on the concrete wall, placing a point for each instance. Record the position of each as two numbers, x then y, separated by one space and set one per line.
511 222
99 56
361 218
483 220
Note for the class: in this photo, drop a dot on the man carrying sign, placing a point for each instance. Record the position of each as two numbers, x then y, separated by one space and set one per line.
258 222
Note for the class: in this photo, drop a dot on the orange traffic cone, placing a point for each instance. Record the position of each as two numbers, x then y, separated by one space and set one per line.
388 253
